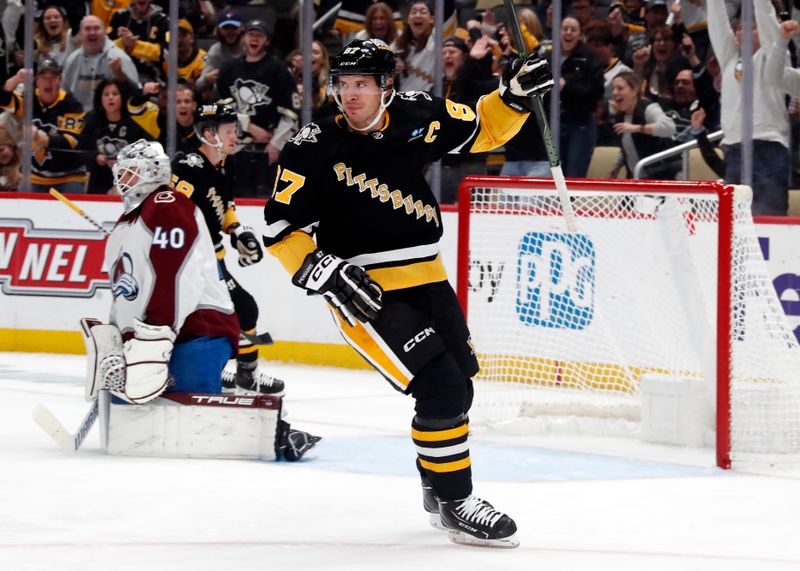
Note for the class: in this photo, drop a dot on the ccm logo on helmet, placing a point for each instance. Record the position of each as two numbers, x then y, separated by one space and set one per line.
419 337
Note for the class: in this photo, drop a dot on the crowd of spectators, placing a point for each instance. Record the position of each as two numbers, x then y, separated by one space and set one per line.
641 75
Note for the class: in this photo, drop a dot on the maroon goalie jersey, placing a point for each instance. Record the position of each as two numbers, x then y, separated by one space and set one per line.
163 271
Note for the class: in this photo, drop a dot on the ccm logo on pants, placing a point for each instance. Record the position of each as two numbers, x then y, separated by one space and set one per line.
421 336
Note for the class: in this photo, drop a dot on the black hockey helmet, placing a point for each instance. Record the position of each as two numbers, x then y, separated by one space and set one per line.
213 115
365 57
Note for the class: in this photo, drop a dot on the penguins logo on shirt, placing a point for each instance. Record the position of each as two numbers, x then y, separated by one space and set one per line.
122 281
308 133
413 95
110 146
250 94
192 160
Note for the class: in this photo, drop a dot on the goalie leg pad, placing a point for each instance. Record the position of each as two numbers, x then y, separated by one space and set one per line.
187 425
105 363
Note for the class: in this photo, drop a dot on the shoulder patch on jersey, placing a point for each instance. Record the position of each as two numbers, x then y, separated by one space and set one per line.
307 134
413 95
192 160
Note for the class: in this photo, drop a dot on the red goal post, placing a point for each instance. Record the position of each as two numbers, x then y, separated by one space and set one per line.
662 279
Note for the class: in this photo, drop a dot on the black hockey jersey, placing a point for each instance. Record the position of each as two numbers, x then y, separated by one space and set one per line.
260 89
209 187
63 121
366 195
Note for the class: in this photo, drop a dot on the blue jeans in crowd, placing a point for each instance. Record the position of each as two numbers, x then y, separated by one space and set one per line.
771 163
539 169
577 139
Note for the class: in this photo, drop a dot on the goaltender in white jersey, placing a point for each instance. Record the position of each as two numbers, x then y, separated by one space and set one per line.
173 329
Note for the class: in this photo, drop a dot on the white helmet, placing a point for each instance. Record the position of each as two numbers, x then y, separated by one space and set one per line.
141 168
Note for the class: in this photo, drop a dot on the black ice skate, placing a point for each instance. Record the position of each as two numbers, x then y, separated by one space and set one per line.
252 382
293 444
431 505
473 521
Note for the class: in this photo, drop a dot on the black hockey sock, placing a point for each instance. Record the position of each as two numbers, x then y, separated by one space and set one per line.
443 455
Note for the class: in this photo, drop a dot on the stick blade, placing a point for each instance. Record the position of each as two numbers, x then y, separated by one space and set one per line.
51 425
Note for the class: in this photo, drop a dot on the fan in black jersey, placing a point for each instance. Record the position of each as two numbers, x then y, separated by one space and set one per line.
265 93
201 176
356 181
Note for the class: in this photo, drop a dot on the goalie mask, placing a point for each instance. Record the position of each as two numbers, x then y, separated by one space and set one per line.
364 57
141 168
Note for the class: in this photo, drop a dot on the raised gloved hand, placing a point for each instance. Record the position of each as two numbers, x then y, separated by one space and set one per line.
245 241
346 287
523 80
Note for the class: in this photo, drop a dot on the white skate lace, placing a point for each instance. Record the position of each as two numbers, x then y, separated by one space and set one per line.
264 380
476 510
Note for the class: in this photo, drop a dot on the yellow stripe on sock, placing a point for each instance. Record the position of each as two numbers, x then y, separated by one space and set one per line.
439 435
447 466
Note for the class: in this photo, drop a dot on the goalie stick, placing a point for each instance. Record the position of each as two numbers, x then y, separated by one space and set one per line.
544 128
52 426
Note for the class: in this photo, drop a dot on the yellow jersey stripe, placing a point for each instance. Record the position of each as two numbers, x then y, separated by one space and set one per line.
292 250
439 435
368 347
400 277
447 466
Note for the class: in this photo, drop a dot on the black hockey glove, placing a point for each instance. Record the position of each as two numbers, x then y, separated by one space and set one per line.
523 80
346 287
245 241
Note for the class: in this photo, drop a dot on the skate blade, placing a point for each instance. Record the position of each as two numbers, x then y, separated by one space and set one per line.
436 521
462 538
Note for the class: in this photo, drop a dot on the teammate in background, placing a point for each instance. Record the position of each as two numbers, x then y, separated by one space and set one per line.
357 180
201 176
170 303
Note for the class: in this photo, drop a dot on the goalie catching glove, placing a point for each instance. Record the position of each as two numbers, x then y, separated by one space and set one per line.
523 80
346 287
245 241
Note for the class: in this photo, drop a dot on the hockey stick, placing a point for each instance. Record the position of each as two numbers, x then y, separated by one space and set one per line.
51 425
257 338
74 207
544 128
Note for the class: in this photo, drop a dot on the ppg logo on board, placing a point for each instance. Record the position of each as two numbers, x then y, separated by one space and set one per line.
555 280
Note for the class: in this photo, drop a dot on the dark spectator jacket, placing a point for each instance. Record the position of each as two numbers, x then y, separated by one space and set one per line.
707 98
584 84
153 33
647 145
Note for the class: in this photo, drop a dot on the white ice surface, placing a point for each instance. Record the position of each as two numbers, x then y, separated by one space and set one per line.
356 504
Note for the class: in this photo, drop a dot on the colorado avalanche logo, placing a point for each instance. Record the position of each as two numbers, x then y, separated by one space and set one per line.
192 160
122 281
250 94
308 133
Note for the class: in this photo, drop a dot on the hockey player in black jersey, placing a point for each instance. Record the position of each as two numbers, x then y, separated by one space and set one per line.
201 176
357 181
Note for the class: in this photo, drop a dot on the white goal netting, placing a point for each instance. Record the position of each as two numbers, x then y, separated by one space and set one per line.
568 323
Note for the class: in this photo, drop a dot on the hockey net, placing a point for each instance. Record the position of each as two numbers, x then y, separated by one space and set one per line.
662 278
